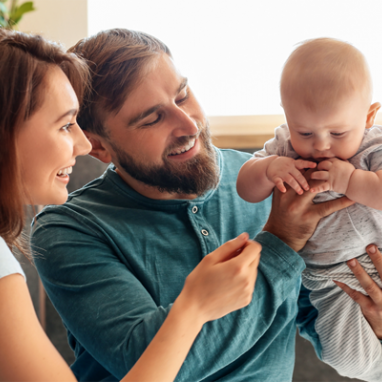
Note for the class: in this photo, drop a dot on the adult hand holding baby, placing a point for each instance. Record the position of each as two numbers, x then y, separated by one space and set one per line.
335 173
371 305
294 217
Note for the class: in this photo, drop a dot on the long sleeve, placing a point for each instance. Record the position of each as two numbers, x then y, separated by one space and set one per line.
113 262
111 312
306 320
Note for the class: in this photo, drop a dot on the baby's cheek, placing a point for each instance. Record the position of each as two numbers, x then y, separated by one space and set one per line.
302 149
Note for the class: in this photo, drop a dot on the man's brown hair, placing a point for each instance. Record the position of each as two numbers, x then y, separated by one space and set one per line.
24 62
116 59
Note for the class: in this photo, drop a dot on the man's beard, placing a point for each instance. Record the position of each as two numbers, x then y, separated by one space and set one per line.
192 177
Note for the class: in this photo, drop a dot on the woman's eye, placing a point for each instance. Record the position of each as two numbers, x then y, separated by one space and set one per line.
67 126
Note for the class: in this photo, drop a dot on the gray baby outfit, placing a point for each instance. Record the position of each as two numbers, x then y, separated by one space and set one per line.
8 264
348 342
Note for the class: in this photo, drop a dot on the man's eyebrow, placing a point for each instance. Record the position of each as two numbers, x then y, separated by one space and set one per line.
183 84
70 112
144 114
153 109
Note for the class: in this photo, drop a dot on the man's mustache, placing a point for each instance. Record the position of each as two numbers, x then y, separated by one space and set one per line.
183 141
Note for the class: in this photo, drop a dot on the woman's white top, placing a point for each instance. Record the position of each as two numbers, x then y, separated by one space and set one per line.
8 263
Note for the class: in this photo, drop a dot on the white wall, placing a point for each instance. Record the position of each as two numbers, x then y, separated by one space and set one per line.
233 51
64 21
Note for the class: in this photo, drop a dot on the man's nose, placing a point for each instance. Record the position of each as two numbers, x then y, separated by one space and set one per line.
185 124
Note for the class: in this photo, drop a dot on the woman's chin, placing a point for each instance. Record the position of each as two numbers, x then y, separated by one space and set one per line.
41 200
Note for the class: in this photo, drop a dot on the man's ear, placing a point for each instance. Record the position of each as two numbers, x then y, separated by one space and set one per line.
99 149
371 114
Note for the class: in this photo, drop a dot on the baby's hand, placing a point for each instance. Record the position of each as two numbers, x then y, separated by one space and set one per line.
287 170
336 173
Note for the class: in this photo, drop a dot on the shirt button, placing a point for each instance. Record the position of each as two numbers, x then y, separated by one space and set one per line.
194 210
204 232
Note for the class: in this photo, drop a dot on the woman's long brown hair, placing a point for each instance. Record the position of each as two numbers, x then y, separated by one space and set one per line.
24 61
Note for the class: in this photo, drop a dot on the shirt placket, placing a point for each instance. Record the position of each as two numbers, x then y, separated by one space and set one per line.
203 230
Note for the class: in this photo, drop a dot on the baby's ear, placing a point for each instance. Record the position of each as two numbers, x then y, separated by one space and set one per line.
371 114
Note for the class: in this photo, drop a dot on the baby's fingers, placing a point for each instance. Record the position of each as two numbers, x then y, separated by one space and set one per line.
301 180
301 164
279 184
325 165
290 179
320 188
320 175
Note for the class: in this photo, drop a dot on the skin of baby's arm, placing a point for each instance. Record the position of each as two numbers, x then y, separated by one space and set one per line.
361 186
258 176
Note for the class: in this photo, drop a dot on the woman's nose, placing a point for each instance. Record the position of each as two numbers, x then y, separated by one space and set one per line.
82 146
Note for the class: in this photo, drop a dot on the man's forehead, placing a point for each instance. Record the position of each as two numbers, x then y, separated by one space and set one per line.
159 83
149 107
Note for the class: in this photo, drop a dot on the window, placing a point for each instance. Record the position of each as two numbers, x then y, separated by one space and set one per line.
233 51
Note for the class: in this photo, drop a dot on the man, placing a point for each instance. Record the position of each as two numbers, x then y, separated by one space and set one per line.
117 253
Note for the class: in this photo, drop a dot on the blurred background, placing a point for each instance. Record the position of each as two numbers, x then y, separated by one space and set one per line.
232 53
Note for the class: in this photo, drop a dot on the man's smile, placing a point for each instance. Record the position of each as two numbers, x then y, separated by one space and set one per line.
185 148
185 152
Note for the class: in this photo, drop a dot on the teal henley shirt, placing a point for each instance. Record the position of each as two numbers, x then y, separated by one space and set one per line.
113 261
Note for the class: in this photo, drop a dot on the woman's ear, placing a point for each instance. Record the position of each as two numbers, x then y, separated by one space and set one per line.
371 114
99 149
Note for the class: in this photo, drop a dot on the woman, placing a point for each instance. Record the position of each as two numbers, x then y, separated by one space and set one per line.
41 87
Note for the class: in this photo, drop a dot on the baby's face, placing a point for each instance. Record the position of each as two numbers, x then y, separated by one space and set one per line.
324 134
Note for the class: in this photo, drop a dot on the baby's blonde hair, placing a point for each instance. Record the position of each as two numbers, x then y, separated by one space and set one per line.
322 71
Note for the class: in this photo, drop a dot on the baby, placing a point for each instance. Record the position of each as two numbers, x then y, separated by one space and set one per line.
326 94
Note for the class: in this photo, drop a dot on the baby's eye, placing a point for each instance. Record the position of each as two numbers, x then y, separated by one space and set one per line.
338 134
306 134
67 126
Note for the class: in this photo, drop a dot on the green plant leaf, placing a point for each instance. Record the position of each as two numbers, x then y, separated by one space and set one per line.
19 11
3 8
13 6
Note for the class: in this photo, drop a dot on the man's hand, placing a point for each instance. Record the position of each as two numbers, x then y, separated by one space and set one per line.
288 170
371 305
294 218
336 173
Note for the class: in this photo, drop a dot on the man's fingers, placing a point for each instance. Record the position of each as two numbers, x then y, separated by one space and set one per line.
356 296
367 283
376 257
327 208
